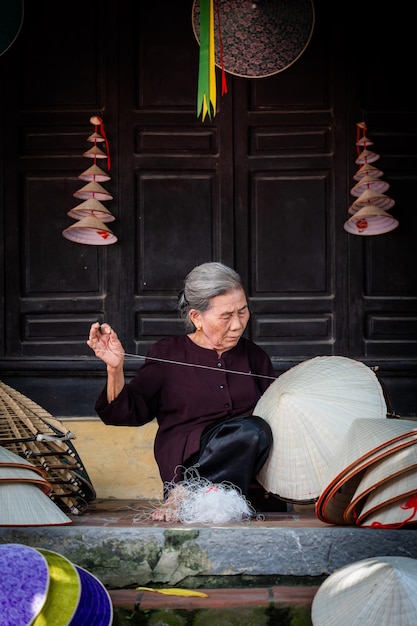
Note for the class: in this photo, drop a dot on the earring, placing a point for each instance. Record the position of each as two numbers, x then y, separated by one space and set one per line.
199 328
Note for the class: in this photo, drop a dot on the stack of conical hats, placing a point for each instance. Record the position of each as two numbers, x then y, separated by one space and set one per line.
38 438
369 211
372 480
41 587
93 217
24 494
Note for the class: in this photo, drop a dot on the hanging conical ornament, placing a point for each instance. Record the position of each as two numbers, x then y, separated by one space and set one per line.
371 197
370 221
93 190
366 156
94 173
95 153
90 231
96 137
364 141
368 170
367 182
91 207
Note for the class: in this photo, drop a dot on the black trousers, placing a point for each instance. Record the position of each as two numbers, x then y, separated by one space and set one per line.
233 451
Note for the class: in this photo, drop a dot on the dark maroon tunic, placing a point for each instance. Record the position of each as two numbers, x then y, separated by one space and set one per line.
186 398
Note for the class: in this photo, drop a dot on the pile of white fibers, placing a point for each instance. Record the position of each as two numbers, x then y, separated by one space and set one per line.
213 503
198 500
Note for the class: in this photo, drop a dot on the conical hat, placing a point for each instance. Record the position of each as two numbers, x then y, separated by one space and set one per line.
91 231
370 220
64 592
94 173
394 515
24 504
10 459
92 208
95 607
369 196
95 153
24 583
366 156
367 170
365 443
377 474
93 190
372 592
95 137
23 475
364 141
310 408
396 488
368 182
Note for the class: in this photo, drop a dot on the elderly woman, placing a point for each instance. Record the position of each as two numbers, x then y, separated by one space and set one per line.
201 387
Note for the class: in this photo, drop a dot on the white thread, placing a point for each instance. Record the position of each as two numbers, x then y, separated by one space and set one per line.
207 367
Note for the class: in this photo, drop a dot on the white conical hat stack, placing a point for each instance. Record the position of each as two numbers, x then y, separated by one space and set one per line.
310 408
379 591
92 216
365 443
24 494
368 211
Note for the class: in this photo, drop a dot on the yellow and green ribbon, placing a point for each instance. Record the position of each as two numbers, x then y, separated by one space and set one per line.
206 97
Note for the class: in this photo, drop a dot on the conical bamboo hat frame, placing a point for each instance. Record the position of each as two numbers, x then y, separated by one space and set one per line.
42 441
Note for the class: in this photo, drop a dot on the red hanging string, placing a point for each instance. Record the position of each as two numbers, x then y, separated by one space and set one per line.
224 83
102 132
360 132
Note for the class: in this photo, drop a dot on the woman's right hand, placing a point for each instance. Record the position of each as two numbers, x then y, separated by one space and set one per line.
106 345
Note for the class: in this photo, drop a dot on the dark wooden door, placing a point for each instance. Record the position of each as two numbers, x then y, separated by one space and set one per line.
263 186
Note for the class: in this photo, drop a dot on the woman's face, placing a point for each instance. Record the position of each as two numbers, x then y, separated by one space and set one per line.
224 322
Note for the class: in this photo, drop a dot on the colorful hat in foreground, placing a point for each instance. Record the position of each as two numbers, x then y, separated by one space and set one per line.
64 591
373 592
43 588
24 583
310 409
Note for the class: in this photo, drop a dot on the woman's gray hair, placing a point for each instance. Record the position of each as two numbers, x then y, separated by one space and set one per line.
202 284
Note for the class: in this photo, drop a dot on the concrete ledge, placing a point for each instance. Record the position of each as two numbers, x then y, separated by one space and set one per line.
169 555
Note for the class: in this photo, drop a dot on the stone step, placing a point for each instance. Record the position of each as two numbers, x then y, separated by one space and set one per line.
117 542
